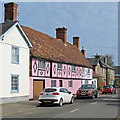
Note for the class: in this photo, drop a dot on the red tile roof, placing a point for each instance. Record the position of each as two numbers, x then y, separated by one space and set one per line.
45 46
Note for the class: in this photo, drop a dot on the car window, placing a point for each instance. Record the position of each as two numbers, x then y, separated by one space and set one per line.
61 90
50 90
86 87
106 87
66 91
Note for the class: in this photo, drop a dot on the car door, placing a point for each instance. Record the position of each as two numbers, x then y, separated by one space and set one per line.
63 94
67 95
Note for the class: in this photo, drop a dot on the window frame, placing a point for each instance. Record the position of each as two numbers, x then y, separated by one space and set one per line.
69 84
15 75
51 83
59 67
18 56
73 68
40 61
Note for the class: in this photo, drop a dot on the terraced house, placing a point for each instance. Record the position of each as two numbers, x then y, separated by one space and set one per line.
55 62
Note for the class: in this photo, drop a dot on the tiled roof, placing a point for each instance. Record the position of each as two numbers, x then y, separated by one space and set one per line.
47 47
117 69
93 61
5 26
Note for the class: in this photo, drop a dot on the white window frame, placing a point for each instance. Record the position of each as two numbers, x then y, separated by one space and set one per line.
73 68
15 57
41 64
59 66
70 84
14 83
52 84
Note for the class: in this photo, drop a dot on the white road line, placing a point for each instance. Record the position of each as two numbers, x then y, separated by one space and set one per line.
93 103
105 99
74 110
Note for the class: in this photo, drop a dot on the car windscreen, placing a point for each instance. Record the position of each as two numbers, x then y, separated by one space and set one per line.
106 87
50 90
86 87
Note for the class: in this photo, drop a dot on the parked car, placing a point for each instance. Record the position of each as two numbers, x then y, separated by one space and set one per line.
88 90
108 89
55 95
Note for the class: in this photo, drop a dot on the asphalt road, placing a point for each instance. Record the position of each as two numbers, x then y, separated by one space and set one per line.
105 106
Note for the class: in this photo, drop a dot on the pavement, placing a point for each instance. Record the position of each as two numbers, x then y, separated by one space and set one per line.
105 106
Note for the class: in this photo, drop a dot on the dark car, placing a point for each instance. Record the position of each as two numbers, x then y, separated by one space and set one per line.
88 90
108 89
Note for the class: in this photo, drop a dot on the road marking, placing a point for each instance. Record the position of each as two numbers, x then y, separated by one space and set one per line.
93 103
74 110
105 99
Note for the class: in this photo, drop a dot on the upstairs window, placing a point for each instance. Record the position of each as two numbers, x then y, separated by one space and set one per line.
41 64
73 68
15 55
59 66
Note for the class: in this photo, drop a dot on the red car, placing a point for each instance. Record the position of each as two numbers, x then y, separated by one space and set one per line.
87 90
108 89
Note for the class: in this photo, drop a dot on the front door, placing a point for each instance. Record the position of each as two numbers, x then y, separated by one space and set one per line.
60 83
38 87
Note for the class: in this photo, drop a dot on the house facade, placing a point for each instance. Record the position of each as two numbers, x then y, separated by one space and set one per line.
106 72
56 63
14 62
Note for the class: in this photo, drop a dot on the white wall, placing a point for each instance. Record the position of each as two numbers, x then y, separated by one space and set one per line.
14 37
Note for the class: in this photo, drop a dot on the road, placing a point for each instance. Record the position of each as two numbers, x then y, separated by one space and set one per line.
105 106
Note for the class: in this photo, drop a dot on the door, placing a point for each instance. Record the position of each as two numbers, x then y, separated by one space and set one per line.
60 83
38 87
67 95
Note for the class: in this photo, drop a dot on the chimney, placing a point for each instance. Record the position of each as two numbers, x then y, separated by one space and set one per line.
61 33
10 12
83 51
76 41
97 56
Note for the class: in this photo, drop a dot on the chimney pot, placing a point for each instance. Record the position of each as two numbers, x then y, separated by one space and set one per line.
61 33
76 41
83 51
10 12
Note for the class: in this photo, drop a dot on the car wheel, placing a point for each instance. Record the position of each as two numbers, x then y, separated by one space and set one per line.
102 92
96 95
61 102
72 100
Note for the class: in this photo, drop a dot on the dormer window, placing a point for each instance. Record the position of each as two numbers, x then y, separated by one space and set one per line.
59 66
41 64
73 68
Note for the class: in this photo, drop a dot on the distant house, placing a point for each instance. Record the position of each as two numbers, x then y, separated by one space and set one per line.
101 67
14 61
117 75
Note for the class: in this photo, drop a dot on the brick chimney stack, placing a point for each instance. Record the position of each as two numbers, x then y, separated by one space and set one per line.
61 33
76 41
10 12
83 51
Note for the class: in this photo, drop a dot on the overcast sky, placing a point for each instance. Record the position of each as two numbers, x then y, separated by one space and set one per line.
96 23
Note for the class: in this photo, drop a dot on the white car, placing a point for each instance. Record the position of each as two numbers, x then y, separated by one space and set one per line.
56 95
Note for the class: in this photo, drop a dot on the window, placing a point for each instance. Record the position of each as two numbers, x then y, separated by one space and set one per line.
88 70
53 83
73 68
70 83
15 54
14 83
86 81
59 66
81 82
41 64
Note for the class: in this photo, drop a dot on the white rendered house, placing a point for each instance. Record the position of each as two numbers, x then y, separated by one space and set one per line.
14 63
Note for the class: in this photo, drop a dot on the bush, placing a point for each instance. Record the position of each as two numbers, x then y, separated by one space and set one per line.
100 83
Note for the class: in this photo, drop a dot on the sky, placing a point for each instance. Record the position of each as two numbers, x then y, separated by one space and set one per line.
96 23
